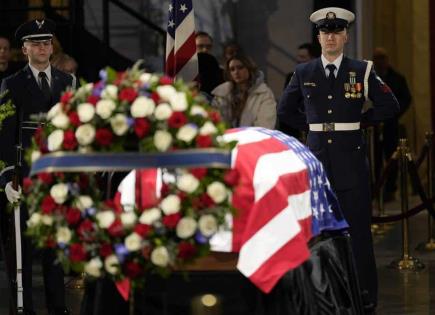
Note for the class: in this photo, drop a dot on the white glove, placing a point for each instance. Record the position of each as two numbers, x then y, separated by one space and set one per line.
12 195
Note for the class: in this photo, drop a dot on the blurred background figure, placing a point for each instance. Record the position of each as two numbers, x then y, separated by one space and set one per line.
231 49
244 99
391 133
65 63
204 42
7 67
305 53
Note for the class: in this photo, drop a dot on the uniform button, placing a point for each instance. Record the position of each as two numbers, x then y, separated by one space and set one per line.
329 111
329 97
329 140
308 95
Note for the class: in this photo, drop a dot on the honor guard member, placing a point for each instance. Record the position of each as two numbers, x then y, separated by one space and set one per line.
331 91
33 90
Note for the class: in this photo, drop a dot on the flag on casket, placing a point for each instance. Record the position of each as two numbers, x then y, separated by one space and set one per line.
283 199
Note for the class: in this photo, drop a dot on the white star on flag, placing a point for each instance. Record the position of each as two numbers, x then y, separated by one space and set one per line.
170 8
183 8
171 23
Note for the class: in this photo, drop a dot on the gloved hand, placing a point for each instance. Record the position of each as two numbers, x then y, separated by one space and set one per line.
12 195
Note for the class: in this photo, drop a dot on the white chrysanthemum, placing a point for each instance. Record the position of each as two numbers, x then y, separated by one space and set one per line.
142 107
119 124
160 256
84 202
128 219
166 92
47 219
59 193
171 204
208 129
198 110
105 108
93 267
207 225
187 133
162 140
179 102
85 134
105 219
186 227
54 111
217 191
110 92
34 220
83 91
187 183
63 235
36 154
133 242
55 140
163 111
111 264
86 112
150 216
60 121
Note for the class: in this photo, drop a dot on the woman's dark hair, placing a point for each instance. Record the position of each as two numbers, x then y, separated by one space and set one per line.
247 62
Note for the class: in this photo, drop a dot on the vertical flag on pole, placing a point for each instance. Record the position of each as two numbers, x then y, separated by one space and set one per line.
181 58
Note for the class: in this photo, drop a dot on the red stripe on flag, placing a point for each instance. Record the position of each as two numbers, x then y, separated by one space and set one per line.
170 64
185 53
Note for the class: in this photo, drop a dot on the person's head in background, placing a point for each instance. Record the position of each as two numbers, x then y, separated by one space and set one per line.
65 63
306 52
241 70
5 52
231 49
204 42
380 60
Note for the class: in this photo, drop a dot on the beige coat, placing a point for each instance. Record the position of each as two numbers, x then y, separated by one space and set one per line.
260 109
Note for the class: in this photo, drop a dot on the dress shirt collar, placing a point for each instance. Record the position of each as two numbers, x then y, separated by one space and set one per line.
336 62
35 73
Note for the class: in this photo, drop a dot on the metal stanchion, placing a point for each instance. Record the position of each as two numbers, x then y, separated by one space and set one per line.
406 262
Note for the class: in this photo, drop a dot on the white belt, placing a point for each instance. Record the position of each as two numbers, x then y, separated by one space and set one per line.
335 126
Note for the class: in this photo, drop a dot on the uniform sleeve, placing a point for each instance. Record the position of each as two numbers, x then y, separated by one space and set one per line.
266 116
290 108
385 104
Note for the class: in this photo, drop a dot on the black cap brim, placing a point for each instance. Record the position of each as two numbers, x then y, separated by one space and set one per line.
332 25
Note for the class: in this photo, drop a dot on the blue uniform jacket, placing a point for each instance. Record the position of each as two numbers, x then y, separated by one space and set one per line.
309 98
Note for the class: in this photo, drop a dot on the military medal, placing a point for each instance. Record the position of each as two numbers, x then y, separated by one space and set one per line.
358 88
352 82
347 89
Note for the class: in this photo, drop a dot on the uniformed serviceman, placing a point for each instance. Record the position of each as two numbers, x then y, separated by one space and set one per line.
331 90
33 90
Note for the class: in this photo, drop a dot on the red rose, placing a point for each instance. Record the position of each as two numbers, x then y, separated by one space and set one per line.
142 229
165 190
39 139
171 221
104 137
83 181
74 119
198 172
206 201
50 243
164 80
106 249
77 253
128 94
116 229
155 97
73 216
204 141
46 178
86 230
132 269
214 116
182 195
69 140
177 120
27 183
231 177
48 205
93 99
186 250
141 127
59 175
65 98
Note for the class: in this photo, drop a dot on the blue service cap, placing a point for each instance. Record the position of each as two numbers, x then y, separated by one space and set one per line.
36 30
332 19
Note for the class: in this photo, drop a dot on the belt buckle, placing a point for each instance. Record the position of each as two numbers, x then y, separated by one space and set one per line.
328 127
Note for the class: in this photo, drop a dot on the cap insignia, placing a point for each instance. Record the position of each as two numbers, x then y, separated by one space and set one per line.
330 16
40 24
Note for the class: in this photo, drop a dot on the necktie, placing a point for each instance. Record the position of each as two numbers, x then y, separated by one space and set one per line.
331 77
45 88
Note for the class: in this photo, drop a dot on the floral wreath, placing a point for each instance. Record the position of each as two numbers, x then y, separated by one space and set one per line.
128 111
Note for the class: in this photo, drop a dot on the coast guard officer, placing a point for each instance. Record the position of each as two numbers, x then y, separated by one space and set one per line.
331 90
33 90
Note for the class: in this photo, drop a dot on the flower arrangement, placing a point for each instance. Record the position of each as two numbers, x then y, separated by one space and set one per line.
128 111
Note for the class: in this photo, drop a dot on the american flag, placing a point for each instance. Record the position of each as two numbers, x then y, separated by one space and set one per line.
181 58
283 199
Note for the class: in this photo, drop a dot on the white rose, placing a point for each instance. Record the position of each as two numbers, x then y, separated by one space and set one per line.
187 132
119 124
128 219
60 121
145 77
34 220
59 193
86 112
105 108
84 90
105 219
142 107
47 219
186 227
207 129
55 110
85 134
84 202
133 242
179 102
187 183
160 256
93 267
35 155
198 110
63 235
55 140
111 264
166 92
217 191
162 140
163 111
110 92
207 225
170 205
150 216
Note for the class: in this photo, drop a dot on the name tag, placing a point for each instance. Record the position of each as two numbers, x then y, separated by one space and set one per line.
309 84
